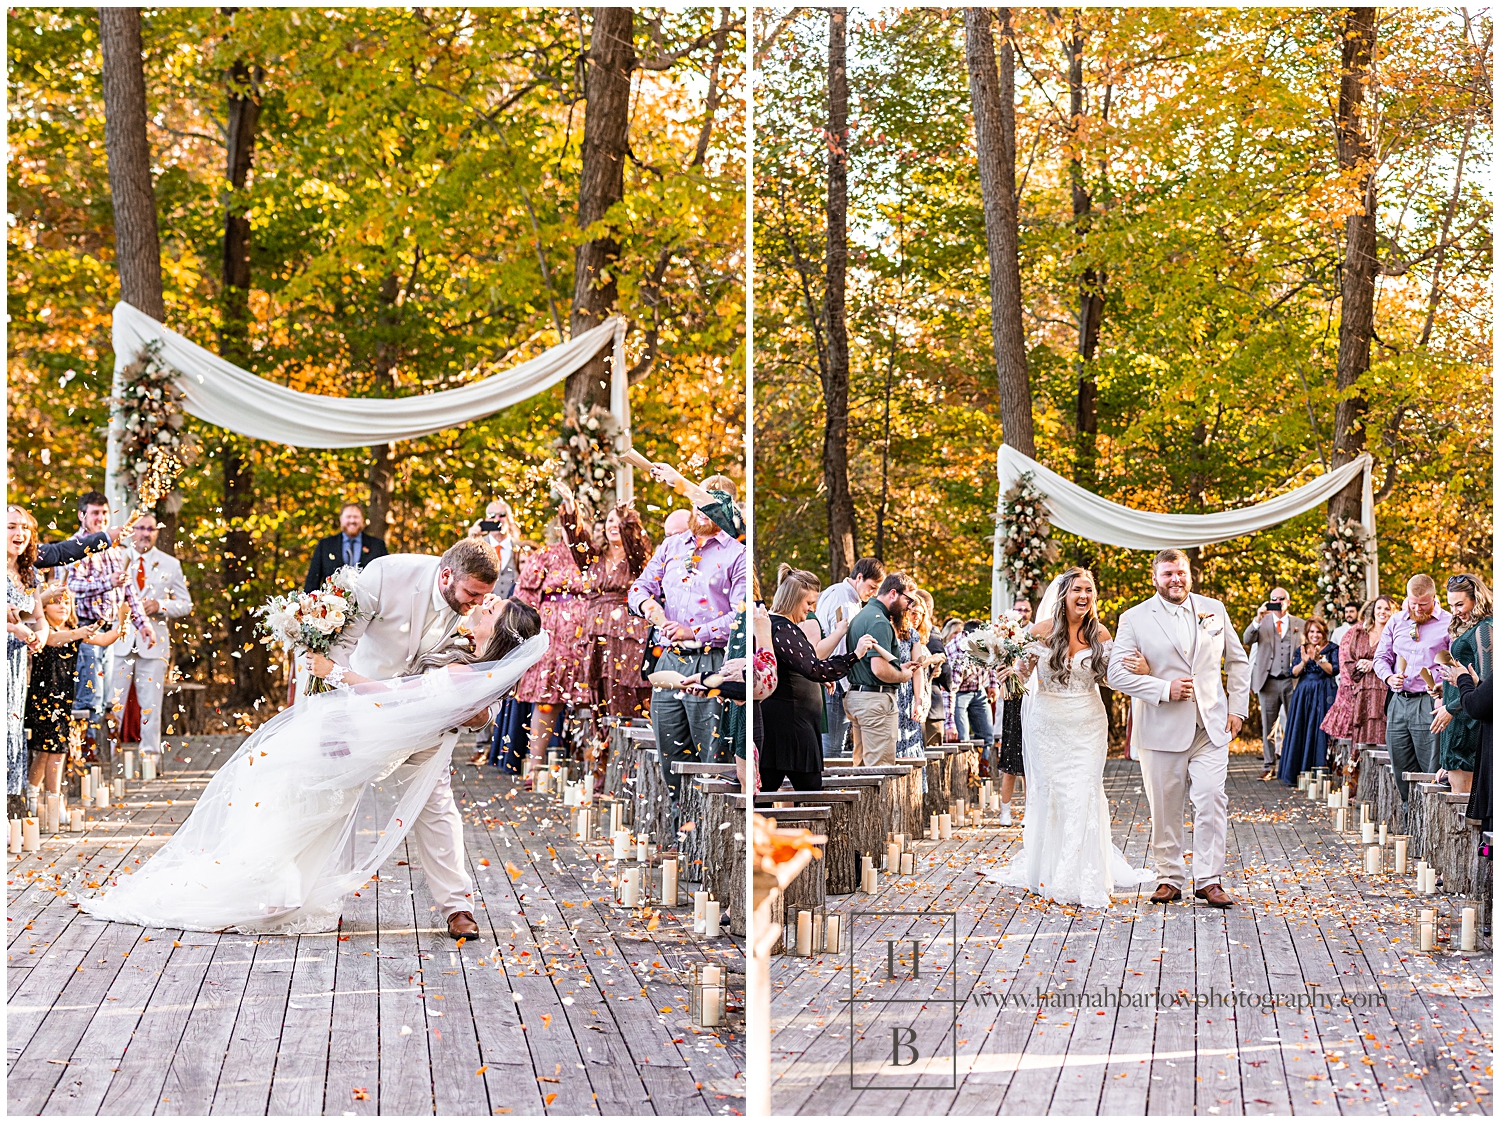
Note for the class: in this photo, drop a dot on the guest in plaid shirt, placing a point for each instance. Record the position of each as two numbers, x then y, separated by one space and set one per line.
99 586
972 689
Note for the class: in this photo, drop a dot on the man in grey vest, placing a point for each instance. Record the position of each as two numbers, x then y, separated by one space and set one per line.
1277 635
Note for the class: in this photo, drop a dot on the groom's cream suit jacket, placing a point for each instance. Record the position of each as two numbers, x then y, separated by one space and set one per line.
1214 648
400 609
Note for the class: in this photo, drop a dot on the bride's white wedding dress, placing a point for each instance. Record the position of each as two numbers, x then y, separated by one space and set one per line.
1067 854
311 805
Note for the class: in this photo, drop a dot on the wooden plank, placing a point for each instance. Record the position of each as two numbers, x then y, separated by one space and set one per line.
356 1024
194 1072
303 1048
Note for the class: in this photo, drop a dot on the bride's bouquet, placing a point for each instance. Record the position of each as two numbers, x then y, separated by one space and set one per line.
311 622
1000 644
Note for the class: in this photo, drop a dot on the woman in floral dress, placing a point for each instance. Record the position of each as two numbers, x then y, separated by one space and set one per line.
618 639
26 632
552 582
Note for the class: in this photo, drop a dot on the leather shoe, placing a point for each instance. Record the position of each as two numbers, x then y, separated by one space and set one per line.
1214 895
1165 894
461 926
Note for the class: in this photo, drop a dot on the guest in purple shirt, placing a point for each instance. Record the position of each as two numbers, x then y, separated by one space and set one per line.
1410 643
691 590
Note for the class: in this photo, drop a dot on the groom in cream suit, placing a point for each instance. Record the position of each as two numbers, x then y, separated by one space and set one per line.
410 606
1183 721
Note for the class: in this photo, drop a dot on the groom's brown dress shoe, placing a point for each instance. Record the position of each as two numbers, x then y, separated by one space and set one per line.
1166 894
461 926
1214 895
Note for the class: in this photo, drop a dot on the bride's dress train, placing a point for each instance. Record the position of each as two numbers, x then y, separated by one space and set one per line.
1067 854
311 805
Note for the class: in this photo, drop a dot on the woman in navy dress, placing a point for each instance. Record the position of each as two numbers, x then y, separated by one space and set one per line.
1316 668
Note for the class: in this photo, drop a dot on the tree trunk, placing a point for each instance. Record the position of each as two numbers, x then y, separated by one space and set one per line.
137 240
1357 303
1090 284
251 675
137 244
993 100
382 460
843 545
606 140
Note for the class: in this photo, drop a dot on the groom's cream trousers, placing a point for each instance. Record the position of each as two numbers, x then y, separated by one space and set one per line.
1169 779
438 835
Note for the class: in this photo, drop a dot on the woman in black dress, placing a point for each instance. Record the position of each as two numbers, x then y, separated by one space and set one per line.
793 747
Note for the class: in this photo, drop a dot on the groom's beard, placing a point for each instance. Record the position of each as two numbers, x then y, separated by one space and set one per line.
450 599
1176 594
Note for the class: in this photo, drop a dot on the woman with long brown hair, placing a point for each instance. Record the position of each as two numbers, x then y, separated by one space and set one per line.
611 566
1471 643
26 632
1358 714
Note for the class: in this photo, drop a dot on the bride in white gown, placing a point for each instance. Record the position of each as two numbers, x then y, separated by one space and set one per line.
317 798
1067 854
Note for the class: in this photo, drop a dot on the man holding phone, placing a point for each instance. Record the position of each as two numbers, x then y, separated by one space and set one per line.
1277 636
499 529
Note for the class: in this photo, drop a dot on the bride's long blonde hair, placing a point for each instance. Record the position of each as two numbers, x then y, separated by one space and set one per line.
1090 630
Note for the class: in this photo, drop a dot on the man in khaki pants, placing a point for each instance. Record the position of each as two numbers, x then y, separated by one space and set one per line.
874 680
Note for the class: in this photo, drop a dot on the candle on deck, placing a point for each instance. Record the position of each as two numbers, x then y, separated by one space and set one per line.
700 909
54 812
101 798
831 934
711 920
892 857
908 864
30 834
1372 859
622 845
932 831
75 820
15 836
129 764
631 889
642 847
945 826
1466 939
1426 929
86 787
1401 857
804 932
1367 832
148 766
669 883
1382 834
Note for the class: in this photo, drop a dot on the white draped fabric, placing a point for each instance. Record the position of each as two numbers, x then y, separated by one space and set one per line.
222 394
1079 511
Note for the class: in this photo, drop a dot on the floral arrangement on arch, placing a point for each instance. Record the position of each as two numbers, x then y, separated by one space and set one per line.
150 405
586 453
1341 565
1026 546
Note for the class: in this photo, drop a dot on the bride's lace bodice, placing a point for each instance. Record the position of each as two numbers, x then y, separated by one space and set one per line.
1080 678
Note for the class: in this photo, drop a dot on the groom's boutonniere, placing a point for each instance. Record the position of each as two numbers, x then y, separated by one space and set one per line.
1210 623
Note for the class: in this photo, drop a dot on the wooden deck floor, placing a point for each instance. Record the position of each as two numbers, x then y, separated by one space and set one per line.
1308 921
578 1010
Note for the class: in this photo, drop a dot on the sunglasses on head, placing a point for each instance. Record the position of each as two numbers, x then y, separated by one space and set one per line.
1461 581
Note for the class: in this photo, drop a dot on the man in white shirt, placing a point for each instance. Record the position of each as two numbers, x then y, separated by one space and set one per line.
142 659
499 529
849 595
1277 635
1351 618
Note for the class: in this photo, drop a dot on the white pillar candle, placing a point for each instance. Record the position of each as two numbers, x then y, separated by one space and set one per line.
54 812
932 831
1382 834
669 883
622 845
711 920
1338 820
713 1005
96 774
75 820
101 798
1401 857
129 764
1426 937
804 932
1466 931
641 846
831 935
1332 800
630 891
1372 859
945 826
15 836
86 787
1302 781
614 819
892 858
540 781
1431 886
148 766
907 864
963 810
700 909
712 976
30 834
1367 832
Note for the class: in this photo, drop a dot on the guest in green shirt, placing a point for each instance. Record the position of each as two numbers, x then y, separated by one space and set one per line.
874 680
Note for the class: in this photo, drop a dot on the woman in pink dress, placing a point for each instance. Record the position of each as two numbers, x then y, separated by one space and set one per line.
1358 713
552 582
619 638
